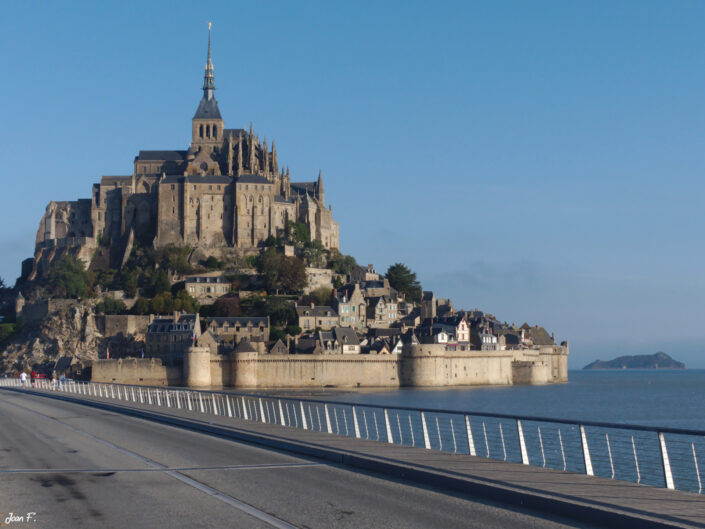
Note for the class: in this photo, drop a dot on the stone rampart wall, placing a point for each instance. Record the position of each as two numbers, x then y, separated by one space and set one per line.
418 366
147 372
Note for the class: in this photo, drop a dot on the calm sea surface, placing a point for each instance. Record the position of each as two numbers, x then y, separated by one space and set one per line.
654 398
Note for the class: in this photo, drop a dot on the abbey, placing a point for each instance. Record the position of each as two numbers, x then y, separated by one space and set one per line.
227 190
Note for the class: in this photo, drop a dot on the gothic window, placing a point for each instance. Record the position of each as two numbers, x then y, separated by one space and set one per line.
200 133
215 132
194 188
208 131
172 186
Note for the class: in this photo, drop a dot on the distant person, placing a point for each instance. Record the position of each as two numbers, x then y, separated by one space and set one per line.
23 378
33 376
52 379
62 379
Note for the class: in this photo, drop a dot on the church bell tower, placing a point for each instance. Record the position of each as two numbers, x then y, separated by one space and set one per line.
208 125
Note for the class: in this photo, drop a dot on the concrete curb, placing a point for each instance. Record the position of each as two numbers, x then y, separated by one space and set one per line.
573 509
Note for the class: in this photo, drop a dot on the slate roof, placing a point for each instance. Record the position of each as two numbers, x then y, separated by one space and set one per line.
245 347
346 336
252 179
236 320
207 109
319 311
234 132
303 188
196 179
206 279
280 198
159 156
306 346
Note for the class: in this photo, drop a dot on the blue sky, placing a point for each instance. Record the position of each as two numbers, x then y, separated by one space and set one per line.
542 161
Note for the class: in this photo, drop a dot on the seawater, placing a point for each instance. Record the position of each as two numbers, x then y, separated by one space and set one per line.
666 398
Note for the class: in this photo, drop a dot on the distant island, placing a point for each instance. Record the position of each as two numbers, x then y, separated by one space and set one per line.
658 360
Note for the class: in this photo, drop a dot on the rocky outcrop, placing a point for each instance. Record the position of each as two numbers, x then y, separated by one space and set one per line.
67 335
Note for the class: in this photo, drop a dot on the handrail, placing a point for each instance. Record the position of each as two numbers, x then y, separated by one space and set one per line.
661 457
532 418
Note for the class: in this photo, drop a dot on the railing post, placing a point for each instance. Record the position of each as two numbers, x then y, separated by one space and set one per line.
471 441
426 439
244 409
159 398
586 452
357 426
149 396
132 390
329 427
522 444
188 401
390 439
303 416
667 474
230 410
200 399
166 397
261 411
281 413
215 404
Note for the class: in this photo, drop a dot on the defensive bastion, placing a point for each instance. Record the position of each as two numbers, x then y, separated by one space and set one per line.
417 366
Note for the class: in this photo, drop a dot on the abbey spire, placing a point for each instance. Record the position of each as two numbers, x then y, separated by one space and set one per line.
208 126
209 78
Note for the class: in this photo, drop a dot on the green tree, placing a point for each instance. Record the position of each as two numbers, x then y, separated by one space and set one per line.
227 307
293 274
141 307
280 311
297 233
271 242
271 265
213 263
315 254
318 296
68 278
160 282
340 263
110 305
277 334
162 303
185 302
293 330
404 281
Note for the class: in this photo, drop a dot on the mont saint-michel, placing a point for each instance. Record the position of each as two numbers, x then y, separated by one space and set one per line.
215 266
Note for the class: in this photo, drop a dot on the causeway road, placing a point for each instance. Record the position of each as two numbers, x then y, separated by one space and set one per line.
65 465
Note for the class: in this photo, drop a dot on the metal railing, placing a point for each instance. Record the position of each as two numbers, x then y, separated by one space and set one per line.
659 457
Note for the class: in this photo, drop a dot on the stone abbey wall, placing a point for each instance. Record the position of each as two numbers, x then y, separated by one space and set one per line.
418 366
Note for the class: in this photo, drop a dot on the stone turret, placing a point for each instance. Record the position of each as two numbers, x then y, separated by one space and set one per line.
319 187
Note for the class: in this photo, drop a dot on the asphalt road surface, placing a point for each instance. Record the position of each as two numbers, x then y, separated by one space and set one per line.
64 465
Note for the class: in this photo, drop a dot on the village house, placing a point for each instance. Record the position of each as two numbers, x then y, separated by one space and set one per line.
363 273
316 317
351 307
168 338
381 311
206 289
339 340
232 330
